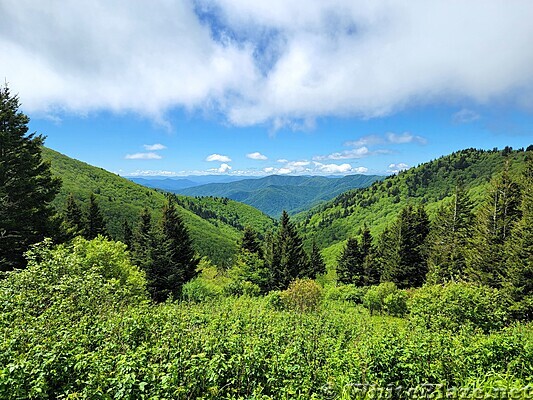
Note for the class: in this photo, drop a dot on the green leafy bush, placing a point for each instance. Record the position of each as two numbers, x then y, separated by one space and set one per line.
454 305
351 293
385 297
302 295
199 290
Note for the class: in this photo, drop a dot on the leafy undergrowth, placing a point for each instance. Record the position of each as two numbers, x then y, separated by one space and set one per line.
77 324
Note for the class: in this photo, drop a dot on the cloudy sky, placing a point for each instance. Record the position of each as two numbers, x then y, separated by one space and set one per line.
279 86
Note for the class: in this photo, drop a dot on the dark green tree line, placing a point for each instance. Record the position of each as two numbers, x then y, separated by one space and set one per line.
26 185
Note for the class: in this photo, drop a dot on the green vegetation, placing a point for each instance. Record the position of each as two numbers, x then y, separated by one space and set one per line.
274 194
441 294
77 323
26 185
121 200
429 184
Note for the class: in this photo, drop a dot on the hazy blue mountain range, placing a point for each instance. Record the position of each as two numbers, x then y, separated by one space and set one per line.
275 193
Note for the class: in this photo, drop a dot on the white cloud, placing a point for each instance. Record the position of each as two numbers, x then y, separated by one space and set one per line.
368 140
151 173
346 155
282 161
333 168
218 157
406 137
223 168
465 116
154 147
285 62
143 156
257 156
268 170
395 168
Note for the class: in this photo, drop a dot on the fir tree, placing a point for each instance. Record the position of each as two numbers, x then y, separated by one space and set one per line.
316 262
127 234
496 219
350 263
450 232
250 242
95 221
520 248
289 260
175 261
72 224
26 185
143 242
370 266
405 260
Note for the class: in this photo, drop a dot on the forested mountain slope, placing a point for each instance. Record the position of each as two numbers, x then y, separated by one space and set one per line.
330 224
215 225
273 194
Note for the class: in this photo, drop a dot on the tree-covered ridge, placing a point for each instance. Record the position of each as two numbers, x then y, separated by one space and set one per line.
276 193
121 200
428 184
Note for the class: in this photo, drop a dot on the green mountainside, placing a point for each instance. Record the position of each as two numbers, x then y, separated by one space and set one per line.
273 194
331 223
215 234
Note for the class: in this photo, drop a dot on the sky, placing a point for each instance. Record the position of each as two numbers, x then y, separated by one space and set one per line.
254 88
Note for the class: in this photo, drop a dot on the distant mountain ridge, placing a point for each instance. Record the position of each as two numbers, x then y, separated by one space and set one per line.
274 193
214 224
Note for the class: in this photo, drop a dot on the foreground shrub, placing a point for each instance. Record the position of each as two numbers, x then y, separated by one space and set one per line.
453 305
199 290
302 295
386 297
351 293
80 277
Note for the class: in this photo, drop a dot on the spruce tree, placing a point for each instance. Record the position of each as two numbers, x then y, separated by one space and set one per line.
174 261
370 266
26 185
95 221
448 239
127 234
250 242
486 263
72 224
317 266
350 264
405 258
143 242
289 260
519 249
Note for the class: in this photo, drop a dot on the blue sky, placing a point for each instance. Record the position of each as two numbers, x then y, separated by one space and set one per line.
255 88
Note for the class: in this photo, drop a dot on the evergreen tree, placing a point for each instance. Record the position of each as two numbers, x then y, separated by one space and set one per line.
316 262
370 266
520 248
450 231
127 234
250 242
405 260
289 260
496 219
72 224
95 221
350 264
26 185
175 261
143 242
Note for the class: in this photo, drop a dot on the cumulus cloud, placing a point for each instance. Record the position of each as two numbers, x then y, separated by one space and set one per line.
257 156
143 156
223 168
218 157
465 116
284 62
304 167
154 147
333 168
395 168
